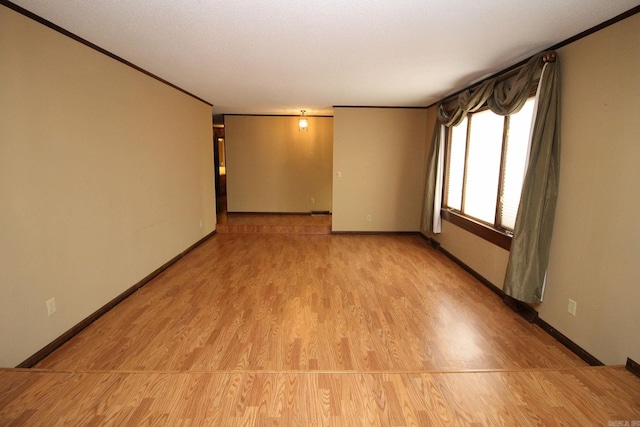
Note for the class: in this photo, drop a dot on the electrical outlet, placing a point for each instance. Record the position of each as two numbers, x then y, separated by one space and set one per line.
200 223
369 218
339 174
313 200
51 306
573 306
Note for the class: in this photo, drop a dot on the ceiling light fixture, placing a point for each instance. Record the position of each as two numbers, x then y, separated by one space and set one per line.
303 123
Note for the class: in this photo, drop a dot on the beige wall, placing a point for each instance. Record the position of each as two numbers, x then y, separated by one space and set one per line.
380 154
273 167
596 242
105 174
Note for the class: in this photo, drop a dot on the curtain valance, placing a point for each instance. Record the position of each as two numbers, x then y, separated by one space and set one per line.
502 97
528 259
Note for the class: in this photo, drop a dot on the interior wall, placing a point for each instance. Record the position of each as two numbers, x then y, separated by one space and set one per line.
105 175
596 243
274 167
596 238
379 169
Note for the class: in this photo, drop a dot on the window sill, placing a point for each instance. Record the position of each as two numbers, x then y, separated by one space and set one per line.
481 230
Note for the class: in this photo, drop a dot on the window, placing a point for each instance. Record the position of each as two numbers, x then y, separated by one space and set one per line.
486 158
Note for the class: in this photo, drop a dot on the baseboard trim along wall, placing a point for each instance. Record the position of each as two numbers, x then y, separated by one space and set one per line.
279 213
575 348
435 244
524 310
52 346
374 233
634 367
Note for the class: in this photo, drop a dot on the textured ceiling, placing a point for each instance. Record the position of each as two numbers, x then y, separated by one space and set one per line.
280 56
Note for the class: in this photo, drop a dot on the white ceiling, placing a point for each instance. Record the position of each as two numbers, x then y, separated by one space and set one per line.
280 56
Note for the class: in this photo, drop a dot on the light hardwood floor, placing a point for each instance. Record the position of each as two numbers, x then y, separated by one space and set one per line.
267 329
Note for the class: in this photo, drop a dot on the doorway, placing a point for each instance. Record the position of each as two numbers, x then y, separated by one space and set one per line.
220 168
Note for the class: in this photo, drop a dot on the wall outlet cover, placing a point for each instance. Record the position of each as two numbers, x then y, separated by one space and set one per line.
51 306
572 307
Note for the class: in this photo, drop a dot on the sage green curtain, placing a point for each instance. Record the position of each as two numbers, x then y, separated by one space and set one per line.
529 256
468 101
428 207
509 96
529 253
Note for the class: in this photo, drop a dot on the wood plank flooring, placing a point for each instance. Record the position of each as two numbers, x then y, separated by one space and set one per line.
518 398
312 302
265 329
